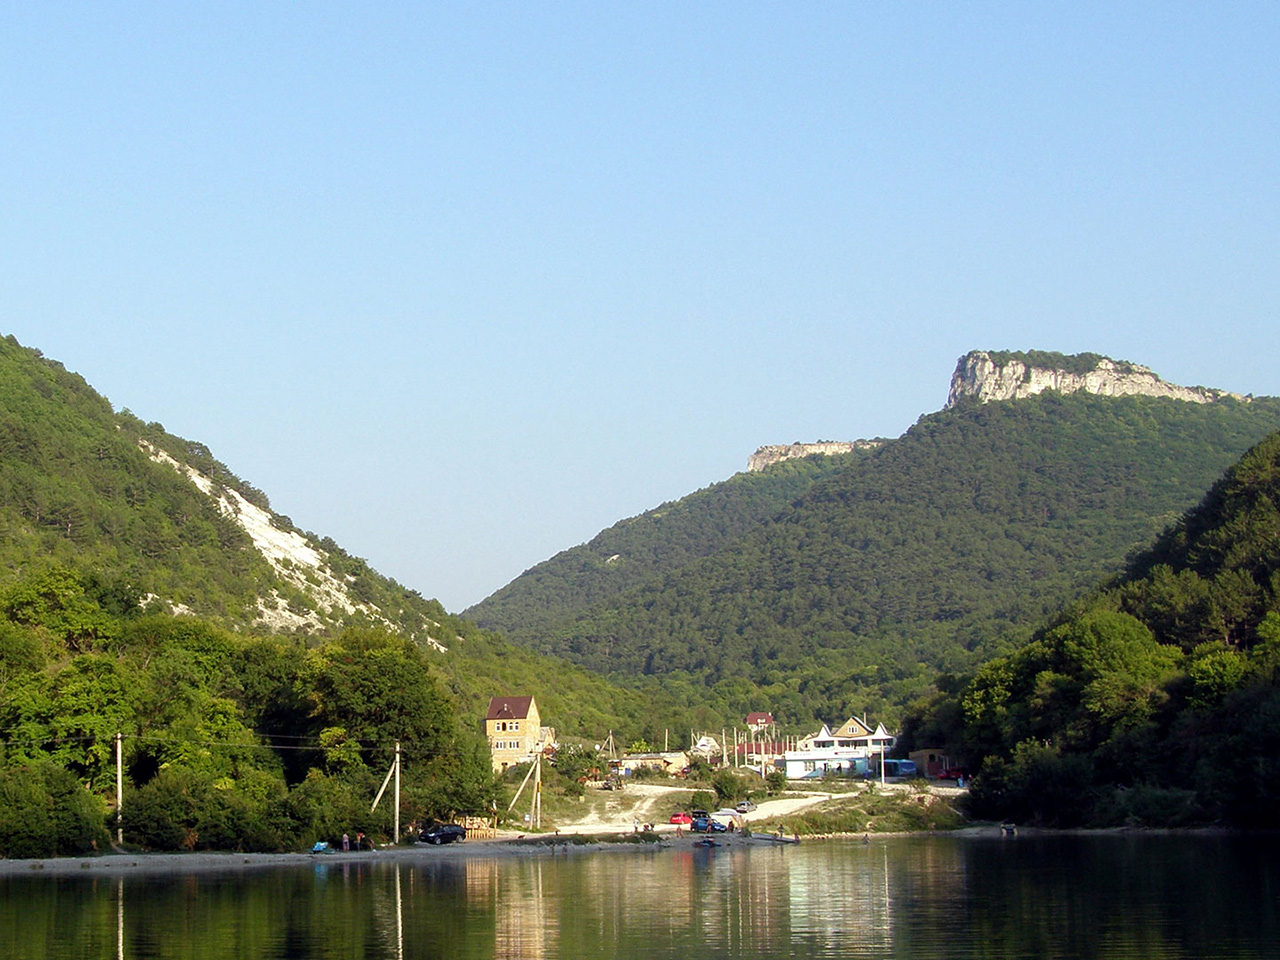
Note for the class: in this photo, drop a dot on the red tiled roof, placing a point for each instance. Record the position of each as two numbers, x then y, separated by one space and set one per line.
759 718
508 708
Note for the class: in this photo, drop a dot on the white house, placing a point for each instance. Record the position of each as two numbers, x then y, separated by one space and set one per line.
844 751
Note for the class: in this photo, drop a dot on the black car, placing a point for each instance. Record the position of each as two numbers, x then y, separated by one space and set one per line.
443 833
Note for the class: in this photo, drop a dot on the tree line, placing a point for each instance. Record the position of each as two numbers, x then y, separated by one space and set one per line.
1155 700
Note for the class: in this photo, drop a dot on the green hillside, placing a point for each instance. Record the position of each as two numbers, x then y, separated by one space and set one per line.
636 550
80 489
135 602
1154 702
932 553
79 484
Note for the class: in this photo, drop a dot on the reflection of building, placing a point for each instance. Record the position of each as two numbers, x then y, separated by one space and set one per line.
526 924
515 731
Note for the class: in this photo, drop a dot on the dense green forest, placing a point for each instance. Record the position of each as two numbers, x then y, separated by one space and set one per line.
78 488
130 603
1156 700
930 554
236 740
229 741
634 551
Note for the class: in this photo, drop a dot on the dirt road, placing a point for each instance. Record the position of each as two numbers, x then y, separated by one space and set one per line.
654 803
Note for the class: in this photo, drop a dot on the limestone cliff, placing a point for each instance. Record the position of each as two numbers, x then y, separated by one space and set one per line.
1010 376
768 455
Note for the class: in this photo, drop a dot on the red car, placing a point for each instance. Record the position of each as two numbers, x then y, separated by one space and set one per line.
681 818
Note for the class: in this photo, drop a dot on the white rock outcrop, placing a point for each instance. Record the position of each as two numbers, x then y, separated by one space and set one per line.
290 554
980 376
767 456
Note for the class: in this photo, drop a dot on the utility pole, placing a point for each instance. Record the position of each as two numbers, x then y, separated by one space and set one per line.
119 788
393 772
537 794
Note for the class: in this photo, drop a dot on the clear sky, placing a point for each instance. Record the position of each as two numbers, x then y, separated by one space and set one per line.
461 284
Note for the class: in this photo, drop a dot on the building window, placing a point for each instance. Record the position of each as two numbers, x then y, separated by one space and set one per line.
515 725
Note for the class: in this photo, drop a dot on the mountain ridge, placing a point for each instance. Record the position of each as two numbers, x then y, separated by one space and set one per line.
992 375
939 547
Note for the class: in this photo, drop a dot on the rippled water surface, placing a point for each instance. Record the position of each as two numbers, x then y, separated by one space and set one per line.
1150 897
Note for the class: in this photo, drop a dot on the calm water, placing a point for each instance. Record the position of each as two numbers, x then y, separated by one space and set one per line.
1071 897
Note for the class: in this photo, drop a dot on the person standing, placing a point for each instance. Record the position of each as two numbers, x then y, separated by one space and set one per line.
346 842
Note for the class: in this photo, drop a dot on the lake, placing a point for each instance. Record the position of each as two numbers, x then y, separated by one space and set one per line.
1109 896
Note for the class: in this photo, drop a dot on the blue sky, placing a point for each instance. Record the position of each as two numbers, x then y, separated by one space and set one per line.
460 285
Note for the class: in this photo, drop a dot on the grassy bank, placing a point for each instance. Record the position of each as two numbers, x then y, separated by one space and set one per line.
867 812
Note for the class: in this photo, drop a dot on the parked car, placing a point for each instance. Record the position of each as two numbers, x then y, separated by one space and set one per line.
683 819
745 806
707 825
443 833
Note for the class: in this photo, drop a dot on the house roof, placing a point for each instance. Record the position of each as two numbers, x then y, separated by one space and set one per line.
753 718
853 727
509 708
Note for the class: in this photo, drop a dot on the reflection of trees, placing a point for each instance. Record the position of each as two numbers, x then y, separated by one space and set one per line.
1094 898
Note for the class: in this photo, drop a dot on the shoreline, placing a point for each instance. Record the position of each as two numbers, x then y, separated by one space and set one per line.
119 865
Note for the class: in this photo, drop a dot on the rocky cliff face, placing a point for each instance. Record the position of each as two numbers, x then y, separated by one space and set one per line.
987 376
769 455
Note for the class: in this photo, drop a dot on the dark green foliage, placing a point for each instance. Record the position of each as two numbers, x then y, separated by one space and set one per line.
634 551
183 809
230 743
77 486
1156 700
1078 363
46 812
933 553
1039 784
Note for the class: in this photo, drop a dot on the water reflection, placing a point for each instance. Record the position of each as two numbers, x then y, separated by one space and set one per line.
1123 898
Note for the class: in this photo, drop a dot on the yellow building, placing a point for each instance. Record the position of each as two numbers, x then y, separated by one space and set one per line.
515 731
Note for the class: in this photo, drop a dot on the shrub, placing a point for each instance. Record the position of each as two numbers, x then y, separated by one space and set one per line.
48 813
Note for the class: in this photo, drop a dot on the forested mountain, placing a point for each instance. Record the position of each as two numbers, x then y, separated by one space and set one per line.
1156 701
258 676
931 553
160 517
638 549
